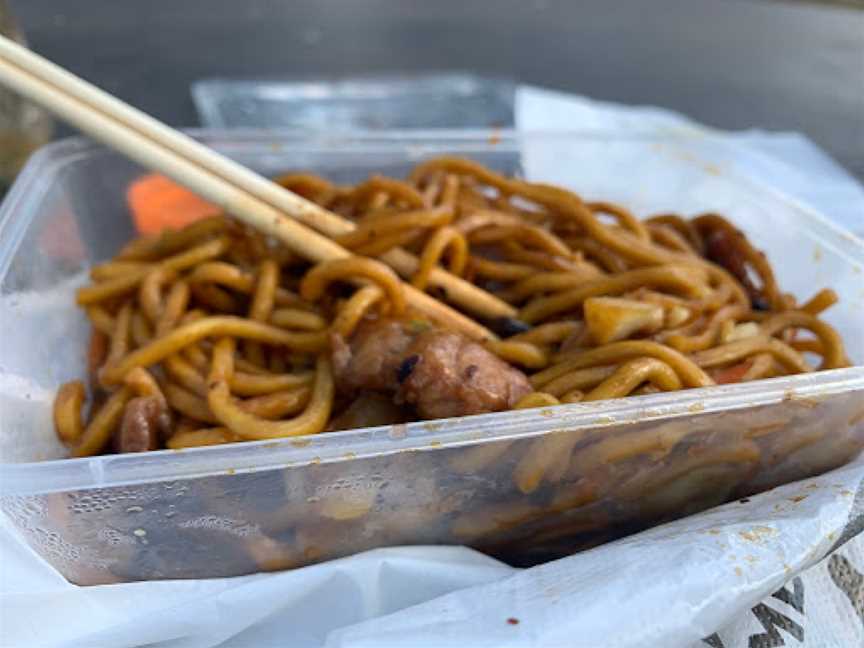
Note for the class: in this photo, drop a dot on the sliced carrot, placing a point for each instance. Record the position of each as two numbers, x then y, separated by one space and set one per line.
732 374
157 203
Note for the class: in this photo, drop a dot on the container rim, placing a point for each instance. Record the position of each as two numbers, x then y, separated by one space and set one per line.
116 470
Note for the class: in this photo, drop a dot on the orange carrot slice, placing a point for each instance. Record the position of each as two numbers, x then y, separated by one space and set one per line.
157 203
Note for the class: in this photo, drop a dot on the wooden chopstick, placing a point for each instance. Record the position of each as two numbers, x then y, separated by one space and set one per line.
152 153
457 289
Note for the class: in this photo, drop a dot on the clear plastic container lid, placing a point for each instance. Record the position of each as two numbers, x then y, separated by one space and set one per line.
442 100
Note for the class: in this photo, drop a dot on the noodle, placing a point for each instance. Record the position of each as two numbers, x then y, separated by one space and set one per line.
101 319
203 437
236 338
67 411
250 426
142 383
832 346
578 379
120 336
499 270
521 353
441 240
215 298
316 281
156 247
356 307
189 404
670 238
379 225
688 370
141 331
625 218
125 283
668 277
631 374
98 433
734 351
821 301
245 384
188 334
263 299
295 318
536 399
150 291
175 304
185 374
685 229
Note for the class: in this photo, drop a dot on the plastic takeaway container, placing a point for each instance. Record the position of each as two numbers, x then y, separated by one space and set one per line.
241 508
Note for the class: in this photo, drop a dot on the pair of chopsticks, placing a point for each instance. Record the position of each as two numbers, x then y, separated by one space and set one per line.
240 192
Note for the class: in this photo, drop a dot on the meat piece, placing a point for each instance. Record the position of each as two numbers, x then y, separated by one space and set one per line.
368 410
454 376
371 361
441 373
143 419
728 249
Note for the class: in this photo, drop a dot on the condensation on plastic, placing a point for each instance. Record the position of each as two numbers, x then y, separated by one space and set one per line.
248 507
450 100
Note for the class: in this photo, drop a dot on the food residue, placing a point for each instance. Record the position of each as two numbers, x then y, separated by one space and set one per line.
758 533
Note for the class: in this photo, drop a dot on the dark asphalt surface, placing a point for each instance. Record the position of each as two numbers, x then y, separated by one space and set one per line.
728 63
